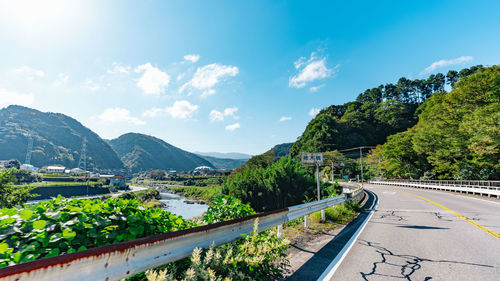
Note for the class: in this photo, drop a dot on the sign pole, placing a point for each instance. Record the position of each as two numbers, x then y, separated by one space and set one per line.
319 191
333 174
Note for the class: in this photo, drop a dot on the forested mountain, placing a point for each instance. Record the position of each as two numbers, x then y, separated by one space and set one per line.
270 156
376 114
227 155
457 134
142 152
224 163
57 139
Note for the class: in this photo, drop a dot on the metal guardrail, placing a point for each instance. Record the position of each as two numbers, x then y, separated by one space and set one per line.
121 260
489 190
480 183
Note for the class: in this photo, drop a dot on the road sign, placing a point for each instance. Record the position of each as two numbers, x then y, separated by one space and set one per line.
311 158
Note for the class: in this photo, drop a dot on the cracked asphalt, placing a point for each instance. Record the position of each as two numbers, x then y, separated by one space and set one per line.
409 238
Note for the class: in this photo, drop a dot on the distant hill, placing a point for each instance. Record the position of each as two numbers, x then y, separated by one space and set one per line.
58 139
268 157
229 155
142 152
221 163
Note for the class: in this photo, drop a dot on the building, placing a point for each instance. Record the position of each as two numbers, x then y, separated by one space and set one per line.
3 163
115 180
118 181
55 170
29 167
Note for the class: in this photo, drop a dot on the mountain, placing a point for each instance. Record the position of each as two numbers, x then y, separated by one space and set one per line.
221 163
142 152
229 155
268 157
57 140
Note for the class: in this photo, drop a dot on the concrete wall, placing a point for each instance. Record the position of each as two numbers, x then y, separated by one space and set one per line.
46 192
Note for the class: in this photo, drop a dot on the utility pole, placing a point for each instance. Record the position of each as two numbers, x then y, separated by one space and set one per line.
333 174
319 191
361 162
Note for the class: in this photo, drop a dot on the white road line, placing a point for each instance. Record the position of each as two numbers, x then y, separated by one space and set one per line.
332 267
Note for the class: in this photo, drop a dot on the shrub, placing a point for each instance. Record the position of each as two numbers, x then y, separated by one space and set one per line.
255 257
226 208
281 184
11 195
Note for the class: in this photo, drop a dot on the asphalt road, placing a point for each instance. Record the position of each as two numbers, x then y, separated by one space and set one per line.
412 238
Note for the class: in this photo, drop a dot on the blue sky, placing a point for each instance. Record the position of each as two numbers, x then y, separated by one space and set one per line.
227 75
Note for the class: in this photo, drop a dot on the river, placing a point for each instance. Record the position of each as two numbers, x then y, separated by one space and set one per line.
176 204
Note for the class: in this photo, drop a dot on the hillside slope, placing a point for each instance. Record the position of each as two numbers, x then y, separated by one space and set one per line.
142 152
58 139
375 114
224 163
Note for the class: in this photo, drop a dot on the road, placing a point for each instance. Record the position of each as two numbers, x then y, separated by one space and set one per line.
426 235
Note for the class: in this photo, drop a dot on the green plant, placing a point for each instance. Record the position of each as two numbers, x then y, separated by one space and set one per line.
226 208
62 226
11 195
254 257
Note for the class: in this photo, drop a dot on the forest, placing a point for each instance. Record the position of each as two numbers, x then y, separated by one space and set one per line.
375 114
457 135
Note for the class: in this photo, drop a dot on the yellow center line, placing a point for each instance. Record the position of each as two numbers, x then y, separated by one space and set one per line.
496 235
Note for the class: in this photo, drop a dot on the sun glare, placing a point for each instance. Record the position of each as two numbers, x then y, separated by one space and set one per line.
35 15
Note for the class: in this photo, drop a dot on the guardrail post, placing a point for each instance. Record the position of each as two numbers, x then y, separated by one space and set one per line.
323 217
306 221
279 231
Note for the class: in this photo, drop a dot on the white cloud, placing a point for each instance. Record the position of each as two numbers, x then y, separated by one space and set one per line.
207 93
153 81
233 127
314 111
61 80
311 70
192 58
316 88
230 111
117 68
285 118
219 116
208 76
29 73
216 116
180 76
118 115
91 85
443 63
181 109
153 112
9 98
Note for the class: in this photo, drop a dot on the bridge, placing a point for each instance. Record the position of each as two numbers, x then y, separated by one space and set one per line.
407 232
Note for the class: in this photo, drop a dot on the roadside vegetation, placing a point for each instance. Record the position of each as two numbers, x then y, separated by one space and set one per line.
457 135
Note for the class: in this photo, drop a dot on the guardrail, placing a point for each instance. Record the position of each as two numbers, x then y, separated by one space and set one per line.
489 190
122 260
480 183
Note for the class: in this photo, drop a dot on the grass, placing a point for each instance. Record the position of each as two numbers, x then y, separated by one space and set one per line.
334 216
206 193
51 184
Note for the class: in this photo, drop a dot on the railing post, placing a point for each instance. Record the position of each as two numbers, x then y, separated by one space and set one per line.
306 221
279 231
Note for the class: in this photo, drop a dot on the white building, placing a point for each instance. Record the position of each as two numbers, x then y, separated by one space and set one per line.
55 170
29 167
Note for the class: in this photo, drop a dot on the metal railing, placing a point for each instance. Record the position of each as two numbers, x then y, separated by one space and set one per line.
121 260
487 188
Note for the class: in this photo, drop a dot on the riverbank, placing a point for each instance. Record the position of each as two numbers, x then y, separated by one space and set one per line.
195 194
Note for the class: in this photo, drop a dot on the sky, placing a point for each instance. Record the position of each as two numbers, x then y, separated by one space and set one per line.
227 76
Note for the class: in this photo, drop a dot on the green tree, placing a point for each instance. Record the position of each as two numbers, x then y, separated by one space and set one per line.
283 183
11 195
